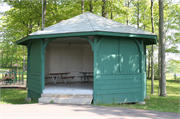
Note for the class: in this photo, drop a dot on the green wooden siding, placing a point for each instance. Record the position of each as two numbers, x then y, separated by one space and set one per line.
118 98
145 77
129 56
119 69
118 55
118 76
34 73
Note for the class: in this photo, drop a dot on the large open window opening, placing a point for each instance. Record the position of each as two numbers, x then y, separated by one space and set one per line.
72 55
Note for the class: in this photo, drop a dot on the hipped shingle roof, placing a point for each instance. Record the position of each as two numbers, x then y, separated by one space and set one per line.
89 22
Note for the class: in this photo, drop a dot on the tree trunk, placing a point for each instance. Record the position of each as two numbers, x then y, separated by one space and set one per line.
104 12
138 15
91 6
82 6
111 10
38 25
149 63
152 72
111 13
43 14
1 58
144 19
152 64
162 39
127 17
159 66
16 53
7 58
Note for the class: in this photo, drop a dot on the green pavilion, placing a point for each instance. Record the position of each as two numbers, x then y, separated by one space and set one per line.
114 53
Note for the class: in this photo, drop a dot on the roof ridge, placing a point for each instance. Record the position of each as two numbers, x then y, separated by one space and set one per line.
89 20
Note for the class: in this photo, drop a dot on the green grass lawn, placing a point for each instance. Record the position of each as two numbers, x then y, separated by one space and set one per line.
14 96
157 103
2 69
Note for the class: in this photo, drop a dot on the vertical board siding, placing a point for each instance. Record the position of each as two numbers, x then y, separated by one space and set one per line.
110 61
129 56
118 55
34 70
118 76
144 87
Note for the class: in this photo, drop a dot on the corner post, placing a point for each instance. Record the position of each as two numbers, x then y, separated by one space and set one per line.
43 48
142 71
28 67
95 69
42 65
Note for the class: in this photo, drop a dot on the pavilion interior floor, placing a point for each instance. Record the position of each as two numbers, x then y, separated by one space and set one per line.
69 88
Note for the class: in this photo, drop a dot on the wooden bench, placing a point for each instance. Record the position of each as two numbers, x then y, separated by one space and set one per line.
89 76
64 78
47 77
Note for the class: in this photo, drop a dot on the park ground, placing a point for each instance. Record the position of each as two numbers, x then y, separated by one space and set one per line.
65 111
171 103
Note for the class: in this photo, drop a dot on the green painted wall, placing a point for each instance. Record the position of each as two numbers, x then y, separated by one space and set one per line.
35 79
119 70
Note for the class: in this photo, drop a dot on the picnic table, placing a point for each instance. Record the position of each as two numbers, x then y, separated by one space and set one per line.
61 76
86 75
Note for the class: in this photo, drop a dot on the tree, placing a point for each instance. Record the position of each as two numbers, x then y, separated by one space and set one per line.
82 6
127 4
90 6
25 18
172 28
43 13
152 64
104 11
162 39
149 63
173 66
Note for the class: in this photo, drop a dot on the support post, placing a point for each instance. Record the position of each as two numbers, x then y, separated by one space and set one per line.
28 67
95 69
42 65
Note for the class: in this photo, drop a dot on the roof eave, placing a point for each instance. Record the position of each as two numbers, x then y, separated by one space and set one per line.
153 38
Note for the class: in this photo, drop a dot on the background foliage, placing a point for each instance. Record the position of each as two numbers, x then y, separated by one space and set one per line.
24 17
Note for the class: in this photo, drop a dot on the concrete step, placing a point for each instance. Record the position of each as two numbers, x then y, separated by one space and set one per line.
66 98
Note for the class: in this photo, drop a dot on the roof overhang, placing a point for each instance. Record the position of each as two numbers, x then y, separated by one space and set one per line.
148 39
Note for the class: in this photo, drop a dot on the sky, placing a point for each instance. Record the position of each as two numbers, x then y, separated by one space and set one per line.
4 7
